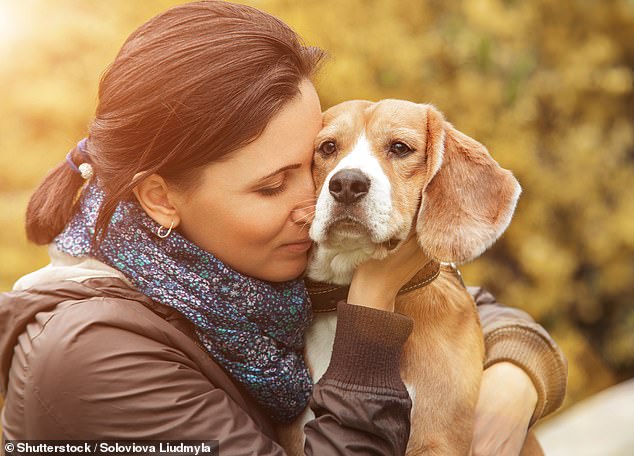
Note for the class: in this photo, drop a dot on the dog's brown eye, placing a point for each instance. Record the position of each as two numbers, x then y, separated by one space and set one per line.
328 147
400 149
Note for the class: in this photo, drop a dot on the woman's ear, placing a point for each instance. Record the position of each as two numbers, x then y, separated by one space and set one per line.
155 198
469 201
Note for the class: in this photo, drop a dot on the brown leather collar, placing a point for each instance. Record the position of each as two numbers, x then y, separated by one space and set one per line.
325 296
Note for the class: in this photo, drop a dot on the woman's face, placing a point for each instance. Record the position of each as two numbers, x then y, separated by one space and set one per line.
253 209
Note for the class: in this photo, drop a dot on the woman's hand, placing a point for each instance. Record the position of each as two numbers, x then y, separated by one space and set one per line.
505 406
376 283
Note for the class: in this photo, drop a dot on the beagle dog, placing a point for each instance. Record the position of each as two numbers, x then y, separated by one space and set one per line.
383 171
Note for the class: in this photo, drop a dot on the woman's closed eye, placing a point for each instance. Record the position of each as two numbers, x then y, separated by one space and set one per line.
273 190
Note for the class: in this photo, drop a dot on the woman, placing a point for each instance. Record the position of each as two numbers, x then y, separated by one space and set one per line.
172 306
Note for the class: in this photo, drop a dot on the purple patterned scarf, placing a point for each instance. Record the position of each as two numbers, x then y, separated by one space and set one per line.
253 328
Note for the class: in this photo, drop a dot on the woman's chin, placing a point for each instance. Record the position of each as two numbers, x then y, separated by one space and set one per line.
284 270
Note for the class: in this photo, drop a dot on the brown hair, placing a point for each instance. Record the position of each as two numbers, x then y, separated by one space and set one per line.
188 87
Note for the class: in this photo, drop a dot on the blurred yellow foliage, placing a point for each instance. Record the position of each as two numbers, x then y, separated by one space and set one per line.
547 85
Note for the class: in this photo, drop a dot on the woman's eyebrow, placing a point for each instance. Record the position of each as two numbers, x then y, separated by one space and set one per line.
282 169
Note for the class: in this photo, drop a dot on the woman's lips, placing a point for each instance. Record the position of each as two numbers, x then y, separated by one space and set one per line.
298 247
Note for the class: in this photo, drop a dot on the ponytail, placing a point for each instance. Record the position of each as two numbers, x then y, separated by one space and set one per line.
54 201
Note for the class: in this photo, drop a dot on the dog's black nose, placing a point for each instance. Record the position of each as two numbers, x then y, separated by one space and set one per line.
349 185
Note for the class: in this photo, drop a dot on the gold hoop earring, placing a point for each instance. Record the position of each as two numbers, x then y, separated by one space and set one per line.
160 234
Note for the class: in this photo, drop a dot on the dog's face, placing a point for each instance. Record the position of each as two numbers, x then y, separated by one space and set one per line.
369 172
382 169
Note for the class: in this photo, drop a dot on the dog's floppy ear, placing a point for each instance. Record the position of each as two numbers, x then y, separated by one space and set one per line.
469 201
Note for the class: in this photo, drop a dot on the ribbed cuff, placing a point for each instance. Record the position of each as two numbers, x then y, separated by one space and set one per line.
367 348
541 361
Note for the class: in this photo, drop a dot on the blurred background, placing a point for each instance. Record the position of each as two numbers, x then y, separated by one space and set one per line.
546 85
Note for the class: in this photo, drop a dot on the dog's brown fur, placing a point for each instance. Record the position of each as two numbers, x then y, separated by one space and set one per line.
458 201
442 361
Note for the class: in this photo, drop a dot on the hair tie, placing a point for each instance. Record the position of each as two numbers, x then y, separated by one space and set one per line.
85 169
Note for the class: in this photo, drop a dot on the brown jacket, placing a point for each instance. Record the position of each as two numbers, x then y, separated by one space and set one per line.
98 360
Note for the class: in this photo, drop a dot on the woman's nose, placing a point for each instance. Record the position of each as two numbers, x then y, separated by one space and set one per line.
304 212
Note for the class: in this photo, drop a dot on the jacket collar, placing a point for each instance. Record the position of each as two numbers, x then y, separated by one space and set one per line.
67 267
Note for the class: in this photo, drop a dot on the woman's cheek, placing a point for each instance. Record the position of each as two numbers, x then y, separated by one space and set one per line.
264 220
